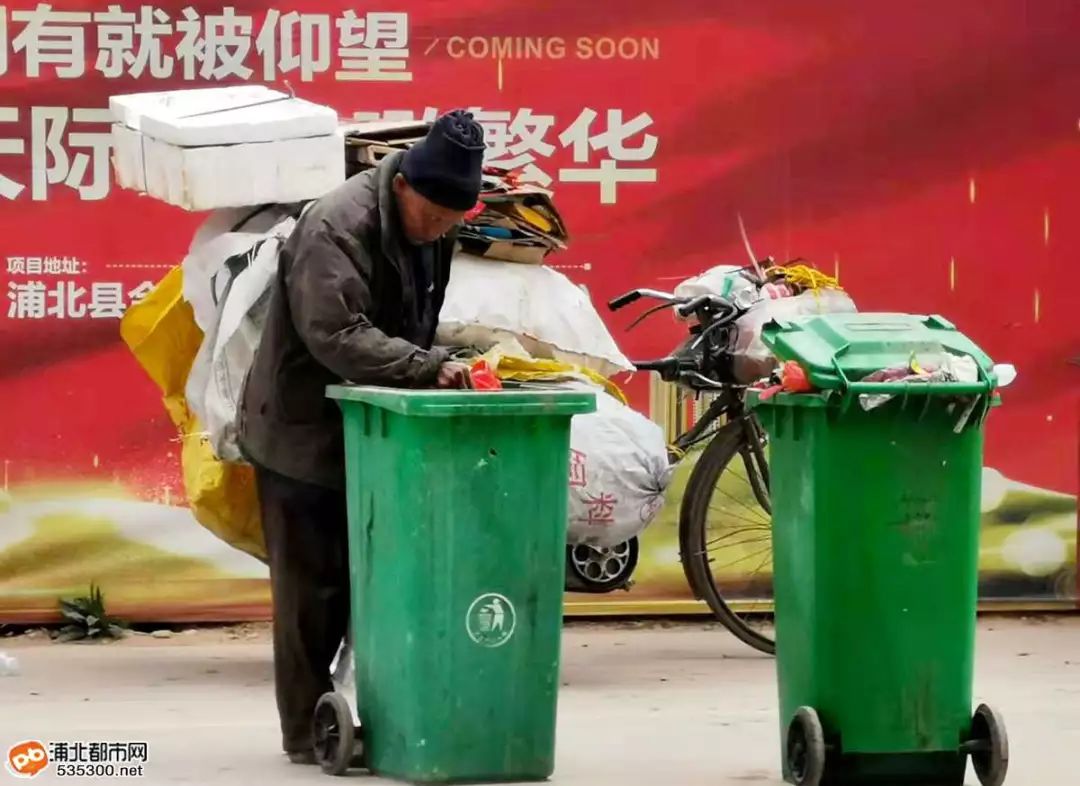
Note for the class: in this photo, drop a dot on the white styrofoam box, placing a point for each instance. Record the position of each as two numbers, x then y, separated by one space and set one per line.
223 116
273 120
131 108
127 158
212 177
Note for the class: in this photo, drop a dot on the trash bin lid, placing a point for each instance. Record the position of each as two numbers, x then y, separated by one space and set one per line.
457 403
839 349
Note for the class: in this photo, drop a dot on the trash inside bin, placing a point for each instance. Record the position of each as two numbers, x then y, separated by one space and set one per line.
457 534
875 538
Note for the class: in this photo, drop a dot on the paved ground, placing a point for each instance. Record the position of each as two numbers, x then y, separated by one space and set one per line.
641 704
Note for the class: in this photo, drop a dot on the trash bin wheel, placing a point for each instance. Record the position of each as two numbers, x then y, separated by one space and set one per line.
805 748
336 738
989 746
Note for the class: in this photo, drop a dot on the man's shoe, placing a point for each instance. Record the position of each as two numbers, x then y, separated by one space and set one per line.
301 757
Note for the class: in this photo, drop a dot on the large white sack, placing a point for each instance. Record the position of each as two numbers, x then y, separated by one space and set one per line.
488 302
619 471
217 375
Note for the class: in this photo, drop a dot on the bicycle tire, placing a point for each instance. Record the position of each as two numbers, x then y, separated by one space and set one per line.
725 446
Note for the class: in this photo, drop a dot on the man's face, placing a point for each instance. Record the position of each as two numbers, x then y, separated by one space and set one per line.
422 220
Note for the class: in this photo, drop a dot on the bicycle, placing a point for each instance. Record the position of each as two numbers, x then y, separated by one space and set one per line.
726 505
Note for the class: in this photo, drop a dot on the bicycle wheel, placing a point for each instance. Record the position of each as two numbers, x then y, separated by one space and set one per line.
725 532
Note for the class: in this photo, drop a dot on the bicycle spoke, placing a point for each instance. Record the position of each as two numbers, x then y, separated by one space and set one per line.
744 478
765 550
736 544
755 527
737 501
723 542
764 560
758 523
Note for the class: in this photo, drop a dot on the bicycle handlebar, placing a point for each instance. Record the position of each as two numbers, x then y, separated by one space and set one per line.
637 294
623 300
665 365
684 306
661 365
712 312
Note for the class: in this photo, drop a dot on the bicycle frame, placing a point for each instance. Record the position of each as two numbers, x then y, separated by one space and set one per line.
728 406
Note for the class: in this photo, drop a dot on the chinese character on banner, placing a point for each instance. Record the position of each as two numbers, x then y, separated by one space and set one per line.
66 301
294 42
53 165
52 38
118 751
34 266
130 43
58 751
601 508
106 301
99 752
613 140
227 44
9 189
191 49
374 49
138 751
140 292
516 143
72 266
578 478
16 266
115 41
54 266
77 751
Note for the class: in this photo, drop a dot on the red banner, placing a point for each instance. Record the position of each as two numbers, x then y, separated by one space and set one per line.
928 154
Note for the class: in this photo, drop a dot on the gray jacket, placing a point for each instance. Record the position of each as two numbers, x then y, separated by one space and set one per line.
343 307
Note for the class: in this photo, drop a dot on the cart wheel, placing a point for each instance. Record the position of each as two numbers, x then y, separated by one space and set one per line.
805 747
334 734
990 746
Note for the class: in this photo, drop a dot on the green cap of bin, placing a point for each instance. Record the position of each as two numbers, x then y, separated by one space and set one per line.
839 349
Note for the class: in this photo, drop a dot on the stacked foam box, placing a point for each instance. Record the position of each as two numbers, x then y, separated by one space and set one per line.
226 147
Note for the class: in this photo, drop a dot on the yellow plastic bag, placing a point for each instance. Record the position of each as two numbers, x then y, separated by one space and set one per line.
222 496
161 332
518 368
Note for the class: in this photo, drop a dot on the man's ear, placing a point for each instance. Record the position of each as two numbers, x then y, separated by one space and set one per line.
400 184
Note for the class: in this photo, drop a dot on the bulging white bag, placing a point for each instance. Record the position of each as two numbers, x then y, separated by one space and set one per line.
489 302
619 471
224 234
217 375
726 281
752 359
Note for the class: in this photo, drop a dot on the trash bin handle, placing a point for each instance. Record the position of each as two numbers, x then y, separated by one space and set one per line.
983 386
919 388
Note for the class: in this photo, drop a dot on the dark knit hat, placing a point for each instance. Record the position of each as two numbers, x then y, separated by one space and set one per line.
445 166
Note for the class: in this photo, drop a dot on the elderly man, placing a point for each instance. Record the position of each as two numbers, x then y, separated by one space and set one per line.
357 298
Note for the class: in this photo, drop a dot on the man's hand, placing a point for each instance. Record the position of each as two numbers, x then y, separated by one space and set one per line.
454 376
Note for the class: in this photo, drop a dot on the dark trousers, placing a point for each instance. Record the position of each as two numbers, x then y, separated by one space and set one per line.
306 533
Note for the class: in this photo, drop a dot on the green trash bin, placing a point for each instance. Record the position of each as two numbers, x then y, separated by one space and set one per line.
457 532
875 546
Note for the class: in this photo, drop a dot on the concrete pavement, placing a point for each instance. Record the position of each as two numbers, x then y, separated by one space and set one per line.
641 704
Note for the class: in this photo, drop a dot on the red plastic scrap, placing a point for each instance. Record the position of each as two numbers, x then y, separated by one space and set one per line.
793 379
483 378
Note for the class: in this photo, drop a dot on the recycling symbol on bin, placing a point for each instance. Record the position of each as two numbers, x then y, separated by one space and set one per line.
491 620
